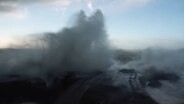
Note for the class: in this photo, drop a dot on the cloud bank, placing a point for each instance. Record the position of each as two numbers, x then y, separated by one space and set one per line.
12 6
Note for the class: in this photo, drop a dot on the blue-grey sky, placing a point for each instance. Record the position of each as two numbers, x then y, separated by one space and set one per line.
131 24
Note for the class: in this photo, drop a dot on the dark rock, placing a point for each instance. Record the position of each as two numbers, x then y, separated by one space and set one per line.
155 74
19 89
154 83
73 88
127 71
105 94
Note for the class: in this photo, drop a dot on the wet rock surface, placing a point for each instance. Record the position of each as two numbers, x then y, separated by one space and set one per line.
77 88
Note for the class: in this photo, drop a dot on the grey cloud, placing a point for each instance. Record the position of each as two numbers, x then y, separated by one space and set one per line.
107 5
7 6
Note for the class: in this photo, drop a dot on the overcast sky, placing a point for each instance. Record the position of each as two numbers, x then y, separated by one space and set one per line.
131 24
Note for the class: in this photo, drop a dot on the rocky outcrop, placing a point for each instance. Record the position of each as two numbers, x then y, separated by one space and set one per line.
124 87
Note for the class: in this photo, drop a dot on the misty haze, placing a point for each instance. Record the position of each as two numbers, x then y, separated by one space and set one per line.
91 52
